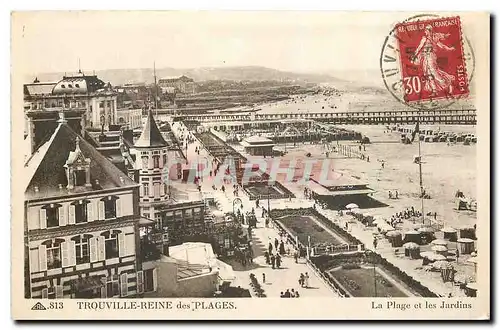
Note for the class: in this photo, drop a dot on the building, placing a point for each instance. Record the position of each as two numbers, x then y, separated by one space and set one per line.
192 270
81 222
182 85
341 191
129 118
258 146
78 91
152 171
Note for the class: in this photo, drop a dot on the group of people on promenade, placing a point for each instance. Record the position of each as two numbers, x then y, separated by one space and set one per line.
290 293
275 258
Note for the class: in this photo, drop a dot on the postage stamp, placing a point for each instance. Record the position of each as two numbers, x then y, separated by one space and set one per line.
427 62
432 59
245 158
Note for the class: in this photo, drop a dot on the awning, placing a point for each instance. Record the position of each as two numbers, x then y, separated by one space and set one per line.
143 221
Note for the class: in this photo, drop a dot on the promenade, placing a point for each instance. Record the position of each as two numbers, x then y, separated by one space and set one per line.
277 280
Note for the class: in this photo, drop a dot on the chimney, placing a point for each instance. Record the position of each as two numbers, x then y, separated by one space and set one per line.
62 120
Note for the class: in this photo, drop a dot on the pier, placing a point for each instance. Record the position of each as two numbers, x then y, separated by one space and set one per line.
455 117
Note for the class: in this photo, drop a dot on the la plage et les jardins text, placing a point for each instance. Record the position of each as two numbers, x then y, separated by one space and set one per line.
426 304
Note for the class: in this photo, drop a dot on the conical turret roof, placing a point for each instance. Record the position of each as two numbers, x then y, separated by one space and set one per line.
151 136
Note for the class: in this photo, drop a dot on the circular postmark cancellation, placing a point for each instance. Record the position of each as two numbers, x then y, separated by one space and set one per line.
426 62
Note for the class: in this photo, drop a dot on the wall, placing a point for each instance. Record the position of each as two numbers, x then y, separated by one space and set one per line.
168 286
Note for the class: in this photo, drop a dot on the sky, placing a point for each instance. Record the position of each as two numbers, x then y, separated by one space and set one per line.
294 41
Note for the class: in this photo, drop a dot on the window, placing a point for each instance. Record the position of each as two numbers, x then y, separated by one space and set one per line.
112 286
109 104
156 188
53 254
156 161
149 280
109 207
111 244
62 86
101 104
81 215
52 215
70 86
146 189
82 248
77 85
164 160
80 177
145 162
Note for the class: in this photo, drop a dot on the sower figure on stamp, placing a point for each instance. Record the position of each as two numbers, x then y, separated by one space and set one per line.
436 79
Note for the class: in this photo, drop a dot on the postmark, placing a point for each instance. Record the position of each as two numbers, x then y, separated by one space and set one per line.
427 63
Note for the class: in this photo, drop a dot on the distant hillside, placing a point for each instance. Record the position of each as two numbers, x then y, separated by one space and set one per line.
253 73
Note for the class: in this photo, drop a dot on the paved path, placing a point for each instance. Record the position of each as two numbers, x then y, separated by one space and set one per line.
277 280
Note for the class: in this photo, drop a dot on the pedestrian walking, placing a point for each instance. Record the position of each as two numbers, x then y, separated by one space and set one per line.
306 280
397 194
263 278
302 280
276 244
278 261
296 256
375 243
266 255
273 261
270 248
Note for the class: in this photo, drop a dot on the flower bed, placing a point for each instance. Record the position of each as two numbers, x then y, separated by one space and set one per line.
347 237
325 263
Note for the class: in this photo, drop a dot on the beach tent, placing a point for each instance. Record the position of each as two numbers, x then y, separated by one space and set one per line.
439 242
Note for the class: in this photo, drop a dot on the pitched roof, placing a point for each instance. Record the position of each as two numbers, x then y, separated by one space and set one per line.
151 136
45 169
258 139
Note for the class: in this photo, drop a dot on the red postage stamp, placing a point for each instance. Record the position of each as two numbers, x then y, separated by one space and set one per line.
432 60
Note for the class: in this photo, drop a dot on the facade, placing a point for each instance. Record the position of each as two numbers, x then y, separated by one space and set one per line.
129 118
81 222
79 91
182 85
258 146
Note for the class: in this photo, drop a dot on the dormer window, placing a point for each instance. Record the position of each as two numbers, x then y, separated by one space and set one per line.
77 85
63 86
77 168
70 86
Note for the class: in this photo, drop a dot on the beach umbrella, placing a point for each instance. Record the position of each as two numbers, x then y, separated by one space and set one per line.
473 260
425 230
472 286
411 246
439 242
448 230
465 240
436 257
441 264
351 206
427 254
393 233
439 248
